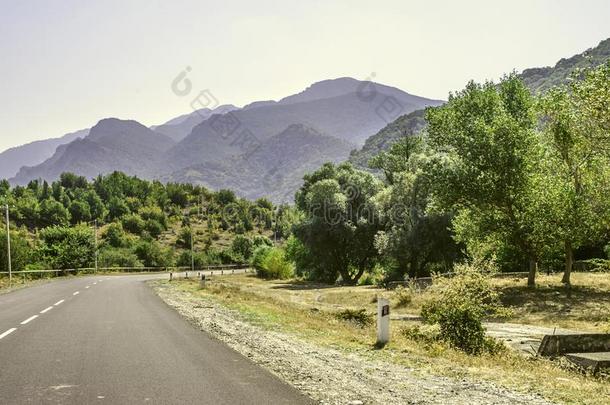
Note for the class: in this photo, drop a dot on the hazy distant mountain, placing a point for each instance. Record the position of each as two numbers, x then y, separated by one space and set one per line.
178 128
274 169
263 149
31 154
112 144
352 116
537 79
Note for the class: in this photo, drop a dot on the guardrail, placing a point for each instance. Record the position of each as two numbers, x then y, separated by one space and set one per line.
93 270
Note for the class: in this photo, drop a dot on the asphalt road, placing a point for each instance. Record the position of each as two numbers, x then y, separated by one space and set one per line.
110 339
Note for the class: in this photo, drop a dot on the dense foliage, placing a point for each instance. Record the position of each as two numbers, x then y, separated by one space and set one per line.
139 223
498 173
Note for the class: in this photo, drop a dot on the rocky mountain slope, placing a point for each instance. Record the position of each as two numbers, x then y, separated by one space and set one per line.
111 145
31 154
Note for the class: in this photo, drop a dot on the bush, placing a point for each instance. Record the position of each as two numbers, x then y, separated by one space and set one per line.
258 256
427 334
184 238
118 258
67 248
403 296
459 304
115 235
358 317
243 246
151 254
200 259
133 223
154 214
271 263
305 265
20 251
153 227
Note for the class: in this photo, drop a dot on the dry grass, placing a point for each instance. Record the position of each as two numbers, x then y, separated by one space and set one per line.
547 305
588 309
306 310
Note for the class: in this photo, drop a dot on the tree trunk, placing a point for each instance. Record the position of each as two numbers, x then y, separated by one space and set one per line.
569 262
531 277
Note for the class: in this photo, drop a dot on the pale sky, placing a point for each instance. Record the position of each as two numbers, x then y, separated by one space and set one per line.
66 64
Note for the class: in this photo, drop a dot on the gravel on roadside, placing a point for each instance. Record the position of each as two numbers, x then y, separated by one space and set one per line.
332 376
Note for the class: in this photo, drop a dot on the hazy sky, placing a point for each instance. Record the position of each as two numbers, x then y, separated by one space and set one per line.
66 64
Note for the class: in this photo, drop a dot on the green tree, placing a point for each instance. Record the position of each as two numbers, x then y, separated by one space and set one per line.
577 140
79 212
340 221
151 254
67 248
415 240
485 139
52 213
20 251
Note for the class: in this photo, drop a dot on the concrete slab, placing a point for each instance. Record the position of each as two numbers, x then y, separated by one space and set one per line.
557 345
591 361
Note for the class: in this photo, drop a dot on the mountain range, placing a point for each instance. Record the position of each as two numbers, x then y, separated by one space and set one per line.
262 149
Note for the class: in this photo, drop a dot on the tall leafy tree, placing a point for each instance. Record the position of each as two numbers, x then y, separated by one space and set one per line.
340 222
415 239
485 137
576 142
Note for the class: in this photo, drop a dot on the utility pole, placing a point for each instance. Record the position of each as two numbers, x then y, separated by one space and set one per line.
95 227
8 248
192 251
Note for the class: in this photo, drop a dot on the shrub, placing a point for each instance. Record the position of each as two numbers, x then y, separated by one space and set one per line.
427 334
151 254
20 251
67 248
154 214
305 265
153 227
118 258
272 264
459 304
184 238
243 246
358 317
258 257
133 223
403 296
228 256
115 235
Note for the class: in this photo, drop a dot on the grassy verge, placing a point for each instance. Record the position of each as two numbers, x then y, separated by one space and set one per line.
307 312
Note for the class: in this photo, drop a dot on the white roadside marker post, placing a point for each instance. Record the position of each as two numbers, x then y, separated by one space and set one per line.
8 248
383 321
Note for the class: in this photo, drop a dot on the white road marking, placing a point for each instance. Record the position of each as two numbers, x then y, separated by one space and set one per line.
58 302
76 293
87 287
31 318
95 283
8 332
46 310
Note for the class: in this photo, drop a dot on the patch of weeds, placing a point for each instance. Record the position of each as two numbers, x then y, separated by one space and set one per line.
403 296
358 317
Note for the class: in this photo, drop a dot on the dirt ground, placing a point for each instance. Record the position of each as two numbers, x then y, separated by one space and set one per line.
328 375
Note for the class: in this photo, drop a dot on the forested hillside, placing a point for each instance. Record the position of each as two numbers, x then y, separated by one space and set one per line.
538 80
140 223
542 79
501 175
